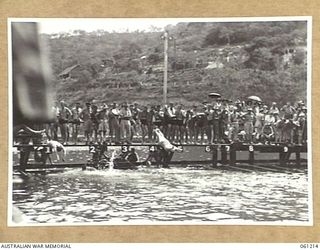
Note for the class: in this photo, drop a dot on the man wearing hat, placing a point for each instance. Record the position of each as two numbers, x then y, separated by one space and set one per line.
288 110
216 123
238 105
223 123
102 122
125 123
274 108
114 126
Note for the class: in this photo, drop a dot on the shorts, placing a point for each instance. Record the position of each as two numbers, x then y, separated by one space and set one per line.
76 121
87 126
199 124
179 123
102 126
95 126
158 123
59 149
173 122
144 122
62 121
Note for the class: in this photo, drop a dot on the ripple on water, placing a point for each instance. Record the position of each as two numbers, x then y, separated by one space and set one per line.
151 195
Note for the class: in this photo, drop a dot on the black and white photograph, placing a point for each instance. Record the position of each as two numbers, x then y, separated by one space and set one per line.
159 121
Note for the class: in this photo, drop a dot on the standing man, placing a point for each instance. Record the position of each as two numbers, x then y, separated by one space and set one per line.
248 125
95 121
190 125
75 127
103 123
259 123
85 116
125 123
288 111
179 128
135 123
201 124
150 120
224 121
234 124
158 117
53 127
114 124
274 108
170 116
216 124
143 116
209 112
64 115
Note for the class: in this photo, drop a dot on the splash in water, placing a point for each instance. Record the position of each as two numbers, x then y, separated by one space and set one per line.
111 162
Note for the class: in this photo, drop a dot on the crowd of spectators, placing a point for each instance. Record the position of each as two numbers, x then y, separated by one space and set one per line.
217 121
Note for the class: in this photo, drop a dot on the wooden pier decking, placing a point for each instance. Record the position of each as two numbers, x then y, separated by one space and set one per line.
220 154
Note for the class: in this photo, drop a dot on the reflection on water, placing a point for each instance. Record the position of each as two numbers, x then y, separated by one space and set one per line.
162 195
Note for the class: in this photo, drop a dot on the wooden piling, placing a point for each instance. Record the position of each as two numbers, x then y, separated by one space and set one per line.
233 155
298 159
224 155
214 156
281 159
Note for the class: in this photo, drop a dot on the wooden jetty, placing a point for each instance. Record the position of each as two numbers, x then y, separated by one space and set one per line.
220 155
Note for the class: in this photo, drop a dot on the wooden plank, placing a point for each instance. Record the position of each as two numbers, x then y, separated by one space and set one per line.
214 156
237 146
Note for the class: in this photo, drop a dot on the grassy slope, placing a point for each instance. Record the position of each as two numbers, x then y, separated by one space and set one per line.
186 86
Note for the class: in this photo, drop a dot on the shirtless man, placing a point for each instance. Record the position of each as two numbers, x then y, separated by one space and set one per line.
57 148
163 142
76 121
64 115
167 151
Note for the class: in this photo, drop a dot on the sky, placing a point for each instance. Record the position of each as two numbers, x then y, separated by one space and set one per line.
51 26
58 25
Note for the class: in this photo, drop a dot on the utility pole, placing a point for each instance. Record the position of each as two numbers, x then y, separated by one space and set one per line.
165 69
174 54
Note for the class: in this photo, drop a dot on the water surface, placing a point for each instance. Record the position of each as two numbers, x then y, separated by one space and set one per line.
151 195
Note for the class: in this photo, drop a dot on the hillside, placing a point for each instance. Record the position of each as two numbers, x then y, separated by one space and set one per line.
235 59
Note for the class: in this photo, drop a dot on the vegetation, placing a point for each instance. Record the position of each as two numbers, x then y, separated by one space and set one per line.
267 59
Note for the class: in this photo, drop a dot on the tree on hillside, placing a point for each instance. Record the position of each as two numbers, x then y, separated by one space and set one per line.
252 56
